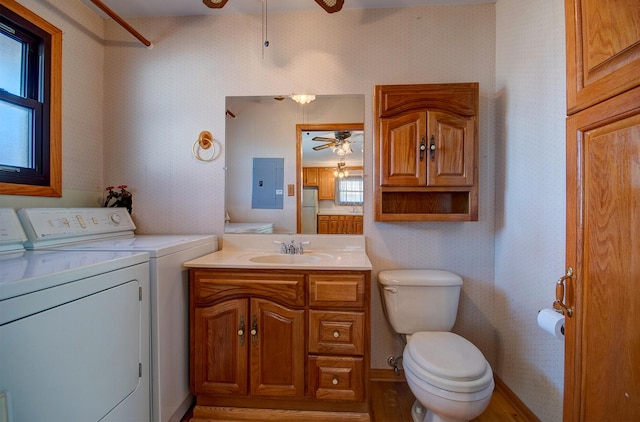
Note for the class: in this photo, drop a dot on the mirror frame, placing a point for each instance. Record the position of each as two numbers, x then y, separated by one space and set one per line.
324 127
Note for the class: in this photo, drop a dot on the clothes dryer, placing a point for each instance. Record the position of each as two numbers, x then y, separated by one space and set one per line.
168 285
74 332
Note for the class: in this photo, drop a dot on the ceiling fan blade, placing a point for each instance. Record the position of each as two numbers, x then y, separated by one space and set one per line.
215 4
321 147
323 139
331 6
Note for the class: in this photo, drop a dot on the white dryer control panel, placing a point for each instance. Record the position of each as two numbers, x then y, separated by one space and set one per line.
51 226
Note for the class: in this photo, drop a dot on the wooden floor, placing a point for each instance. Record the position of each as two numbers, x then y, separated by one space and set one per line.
391 401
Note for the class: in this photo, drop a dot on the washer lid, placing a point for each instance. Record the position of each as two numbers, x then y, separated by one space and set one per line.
447 355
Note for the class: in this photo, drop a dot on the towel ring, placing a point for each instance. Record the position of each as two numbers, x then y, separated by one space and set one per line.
203 143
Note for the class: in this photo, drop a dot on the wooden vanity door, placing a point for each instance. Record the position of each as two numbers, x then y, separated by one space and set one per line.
277 350
221 353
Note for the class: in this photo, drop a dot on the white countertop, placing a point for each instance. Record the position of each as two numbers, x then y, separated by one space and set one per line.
322 253
337 211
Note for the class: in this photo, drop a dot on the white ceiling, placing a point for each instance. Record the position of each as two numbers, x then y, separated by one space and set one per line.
136 8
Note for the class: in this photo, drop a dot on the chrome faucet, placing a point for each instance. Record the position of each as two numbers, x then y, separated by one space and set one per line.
291 248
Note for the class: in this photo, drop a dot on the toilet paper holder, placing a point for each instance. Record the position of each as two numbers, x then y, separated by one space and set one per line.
559 304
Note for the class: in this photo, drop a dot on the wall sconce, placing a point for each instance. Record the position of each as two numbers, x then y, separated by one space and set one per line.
303 98
340 172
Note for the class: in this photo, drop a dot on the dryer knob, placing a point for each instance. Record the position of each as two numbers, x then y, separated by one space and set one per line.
115 219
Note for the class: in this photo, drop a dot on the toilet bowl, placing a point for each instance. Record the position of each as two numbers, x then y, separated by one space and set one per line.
450 378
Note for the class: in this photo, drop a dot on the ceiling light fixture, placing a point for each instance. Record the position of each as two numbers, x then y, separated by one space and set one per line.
340 172
303 98
215 4
342 148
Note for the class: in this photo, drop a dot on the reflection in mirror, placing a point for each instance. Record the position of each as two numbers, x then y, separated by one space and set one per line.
276 127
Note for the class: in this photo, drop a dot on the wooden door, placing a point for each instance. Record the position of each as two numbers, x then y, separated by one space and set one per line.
450 149
603 50
403 154
277 350
221 352
602 355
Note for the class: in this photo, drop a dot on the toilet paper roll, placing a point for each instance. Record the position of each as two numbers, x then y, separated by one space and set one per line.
552 322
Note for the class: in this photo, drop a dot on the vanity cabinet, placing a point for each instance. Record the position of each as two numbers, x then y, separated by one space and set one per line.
244 344
426 155
279 340
340 224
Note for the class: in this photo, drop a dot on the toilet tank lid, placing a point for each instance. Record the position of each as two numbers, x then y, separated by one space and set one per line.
418 278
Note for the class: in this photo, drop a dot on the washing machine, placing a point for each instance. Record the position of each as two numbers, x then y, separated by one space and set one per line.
168 285
74 332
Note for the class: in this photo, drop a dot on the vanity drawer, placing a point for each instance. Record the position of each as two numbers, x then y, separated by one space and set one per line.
336 290
336 332
212 286
336 378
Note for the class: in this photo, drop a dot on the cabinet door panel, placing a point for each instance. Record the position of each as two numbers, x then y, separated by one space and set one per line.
451 149
603 245
603 50
326 184
220 364
401 163
277 350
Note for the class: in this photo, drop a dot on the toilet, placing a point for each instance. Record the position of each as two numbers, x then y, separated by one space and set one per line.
450 378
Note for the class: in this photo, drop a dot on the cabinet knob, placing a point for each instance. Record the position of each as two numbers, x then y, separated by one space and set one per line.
336 334
334 381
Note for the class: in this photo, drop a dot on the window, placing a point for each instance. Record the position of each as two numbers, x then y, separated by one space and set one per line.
350 190
30 79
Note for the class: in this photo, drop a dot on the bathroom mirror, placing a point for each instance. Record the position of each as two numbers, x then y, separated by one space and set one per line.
277 127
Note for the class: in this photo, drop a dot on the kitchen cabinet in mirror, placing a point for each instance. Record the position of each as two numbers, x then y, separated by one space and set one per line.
277 127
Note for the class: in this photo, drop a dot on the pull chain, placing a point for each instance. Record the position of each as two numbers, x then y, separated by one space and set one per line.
265 26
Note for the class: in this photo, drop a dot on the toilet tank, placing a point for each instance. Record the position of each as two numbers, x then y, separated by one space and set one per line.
420 300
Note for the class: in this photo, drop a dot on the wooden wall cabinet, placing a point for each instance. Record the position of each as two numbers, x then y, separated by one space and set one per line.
282 340
426 157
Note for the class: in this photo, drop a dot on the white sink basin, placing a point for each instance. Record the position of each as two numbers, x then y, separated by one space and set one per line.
285 259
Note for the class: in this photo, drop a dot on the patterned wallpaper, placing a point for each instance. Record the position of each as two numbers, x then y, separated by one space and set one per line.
530 198
159 99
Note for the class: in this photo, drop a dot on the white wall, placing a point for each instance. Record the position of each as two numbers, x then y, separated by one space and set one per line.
82 104
530 197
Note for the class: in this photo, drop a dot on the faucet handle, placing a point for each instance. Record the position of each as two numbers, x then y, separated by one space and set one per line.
284 248
300 249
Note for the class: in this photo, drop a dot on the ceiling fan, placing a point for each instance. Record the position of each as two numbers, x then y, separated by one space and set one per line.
340 145
330 6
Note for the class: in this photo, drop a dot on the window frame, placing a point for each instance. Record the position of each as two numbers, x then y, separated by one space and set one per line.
50 97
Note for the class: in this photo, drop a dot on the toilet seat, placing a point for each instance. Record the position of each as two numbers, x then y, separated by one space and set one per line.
447 361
